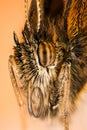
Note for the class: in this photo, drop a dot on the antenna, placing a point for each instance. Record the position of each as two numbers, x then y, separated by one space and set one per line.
38 14
26 7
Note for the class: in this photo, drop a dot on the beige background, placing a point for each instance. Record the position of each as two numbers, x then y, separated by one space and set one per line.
12 117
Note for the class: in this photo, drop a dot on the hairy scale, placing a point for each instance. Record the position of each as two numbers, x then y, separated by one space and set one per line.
51 63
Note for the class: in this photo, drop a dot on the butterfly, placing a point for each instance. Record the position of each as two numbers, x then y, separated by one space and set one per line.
48 69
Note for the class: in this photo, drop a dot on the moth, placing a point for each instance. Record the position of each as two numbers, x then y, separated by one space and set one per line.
48 69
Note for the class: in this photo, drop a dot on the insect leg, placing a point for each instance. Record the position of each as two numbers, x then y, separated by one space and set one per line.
66 122
13 75
64 92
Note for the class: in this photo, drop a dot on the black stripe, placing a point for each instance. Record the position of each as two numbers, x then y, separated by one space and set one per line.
50 52
44 54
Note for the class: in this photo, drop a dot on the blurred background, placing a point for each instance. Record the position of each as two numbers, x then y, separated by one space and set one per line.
12 117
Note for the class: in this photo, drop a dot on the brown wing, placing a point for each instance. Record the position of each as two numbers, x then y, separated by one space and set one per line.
77 34
77 18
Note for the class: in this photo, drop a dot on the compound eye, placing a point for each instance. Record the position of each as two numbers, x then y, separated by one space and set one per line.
46 54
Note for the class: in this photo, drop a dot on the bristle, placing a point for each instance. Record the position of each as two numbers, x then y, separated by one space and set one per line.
25 37
15 38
